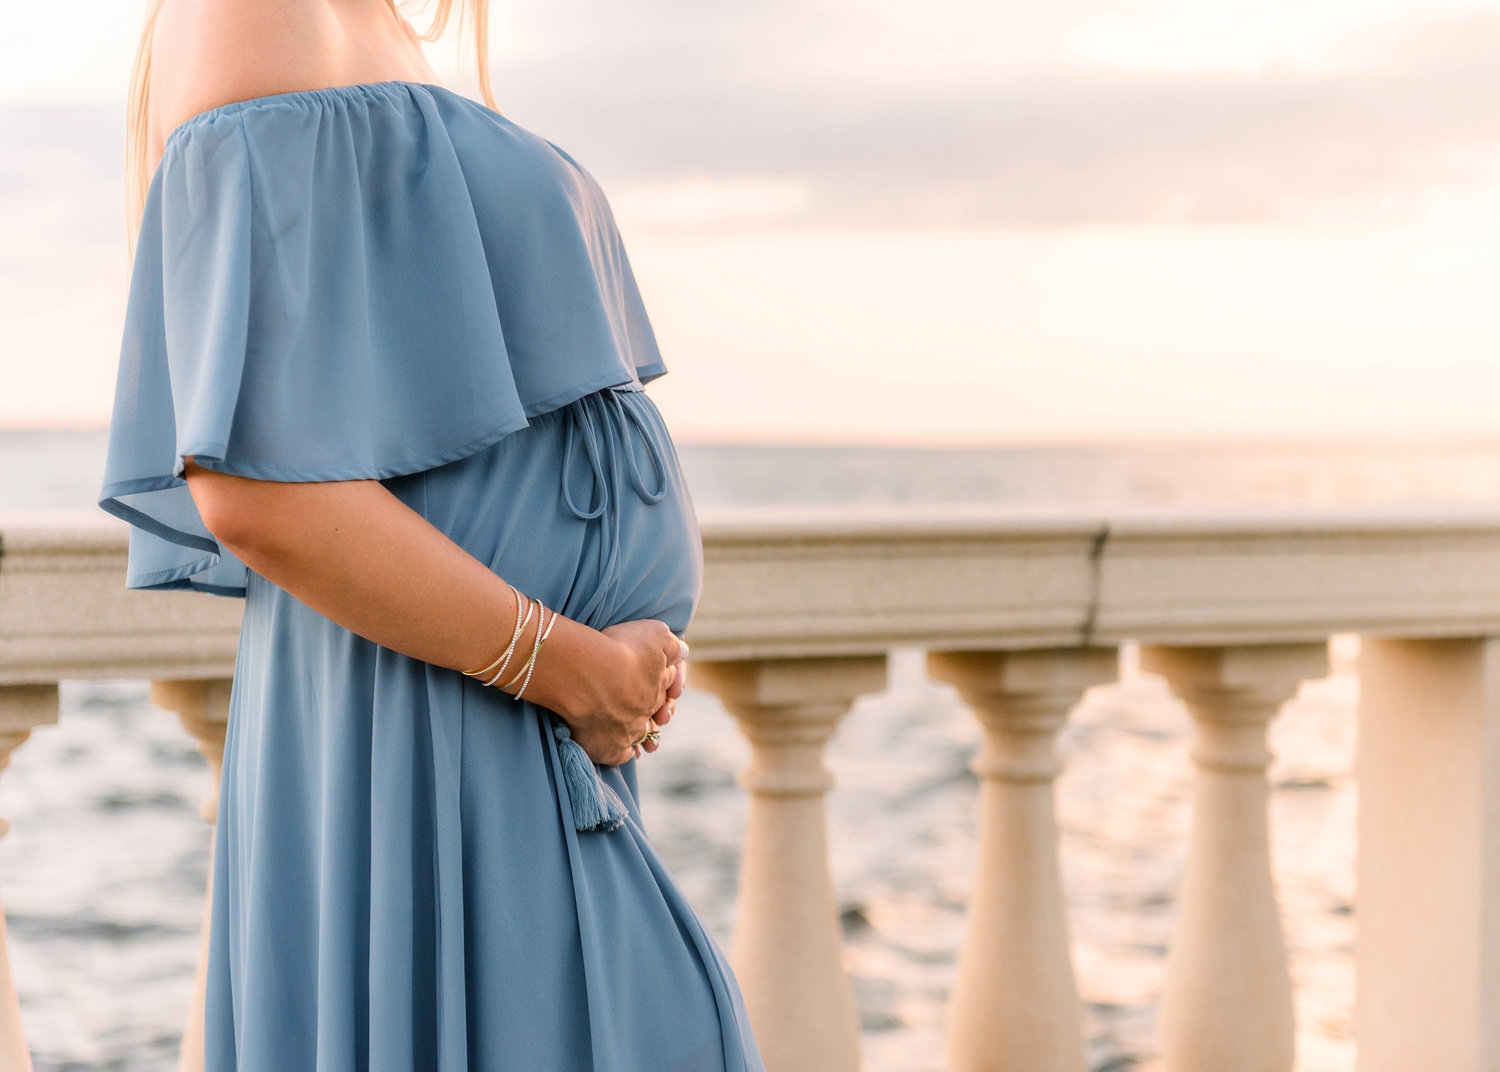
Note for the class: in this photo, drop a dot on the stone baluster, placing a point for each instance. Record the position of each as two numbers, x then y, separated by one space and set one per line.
1015 1004
22 708
787 950
1227 998
203 709
1427 907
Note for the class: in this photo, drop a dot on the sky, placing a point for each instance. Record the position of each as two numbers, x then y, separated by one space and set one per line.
927 221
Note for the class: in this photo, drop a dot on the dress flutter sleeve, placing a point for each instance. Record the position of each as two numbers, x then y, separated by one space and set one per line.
315 296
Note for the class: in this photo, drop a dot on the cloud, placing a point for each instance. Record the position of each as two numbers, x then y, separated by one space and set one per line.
807 112
1042 146
61 193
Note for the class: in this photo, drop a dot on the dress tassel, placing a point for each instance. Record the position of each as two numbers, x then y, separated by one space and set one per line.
596 806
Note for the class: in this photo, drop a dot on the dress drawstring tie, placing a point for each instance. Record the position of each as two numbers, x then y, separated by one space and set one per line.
601 420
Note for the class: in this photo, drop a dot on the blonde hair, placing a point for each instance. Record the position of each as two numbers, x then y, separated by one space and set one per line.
138 181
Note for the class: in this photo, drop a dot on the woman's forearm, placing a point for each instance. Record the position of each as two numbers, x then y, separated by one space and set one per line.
357 554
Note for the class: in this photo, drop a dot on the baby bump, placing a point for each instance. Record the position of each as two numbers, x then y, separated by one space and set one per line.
586 509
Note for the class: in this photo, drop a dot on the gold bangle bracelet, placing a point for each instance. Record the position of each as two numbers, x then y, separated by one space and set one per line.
531 663
535 646
505 655
510 650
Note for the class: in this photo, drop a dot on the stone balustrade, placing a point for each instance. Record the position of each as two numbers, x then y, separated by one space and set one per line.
1021 611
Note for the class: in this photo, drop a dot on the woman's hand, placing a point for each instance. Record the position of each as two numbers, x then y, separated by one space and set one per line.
630 689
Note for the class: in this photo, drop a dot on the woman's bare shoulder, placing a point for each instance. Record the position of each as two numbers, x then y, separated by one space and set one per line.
206 53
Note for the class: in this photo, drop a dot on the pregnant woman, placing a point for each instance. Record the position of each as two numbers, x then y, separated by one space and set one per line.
382 377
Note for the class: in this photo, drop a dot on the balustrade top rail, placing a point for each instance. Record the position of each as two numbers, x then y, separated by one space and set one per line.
851 580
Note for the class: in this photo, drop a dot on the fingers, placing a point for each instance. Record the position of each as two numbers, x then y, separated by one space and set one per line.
675 686
640 745
674 647
677 663
647 744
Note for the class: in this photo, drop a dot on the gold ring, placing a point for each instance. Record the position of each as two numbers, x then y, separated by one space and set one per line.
652 735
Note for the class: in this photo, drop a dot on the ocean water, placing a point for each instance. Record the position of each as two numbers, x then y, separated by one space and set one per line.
103 872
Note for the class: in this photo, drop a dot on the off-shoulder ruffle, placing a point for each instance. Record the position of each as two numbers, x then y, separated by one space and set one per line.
358 282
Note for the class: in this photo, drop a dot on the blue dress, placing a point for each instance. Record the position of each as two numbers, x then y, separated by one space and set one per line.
413 871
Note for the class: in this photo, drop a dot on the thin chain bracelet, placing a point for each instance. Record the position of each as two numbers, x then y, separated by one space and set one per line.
510 650
535 646
504 657
531 663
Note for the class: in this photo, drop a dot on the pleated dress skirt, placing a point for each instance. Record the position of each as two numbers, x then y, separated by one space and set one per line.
398 884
